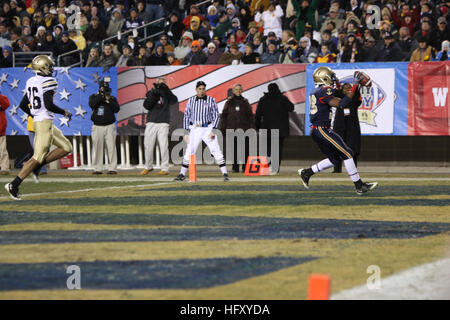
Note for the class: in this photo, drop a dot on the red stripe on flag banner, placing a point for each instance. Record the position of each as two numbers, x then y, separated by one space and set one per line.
186 75
250 80
130 93
296 96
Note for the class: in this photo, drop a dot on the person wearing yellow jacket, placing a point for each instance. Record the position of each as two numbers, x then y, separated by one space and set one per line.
30 130
77 37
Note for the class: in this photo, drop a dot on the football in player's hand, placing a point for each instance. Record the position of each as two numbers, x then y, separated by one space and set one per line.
364 79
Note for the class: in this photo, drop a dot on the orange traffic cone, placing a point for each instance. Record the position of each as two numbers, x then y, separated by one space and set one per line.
319 287
192 169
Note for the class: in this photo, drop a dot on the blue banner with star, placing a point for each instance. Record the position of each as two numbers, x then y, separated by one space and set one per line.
75 86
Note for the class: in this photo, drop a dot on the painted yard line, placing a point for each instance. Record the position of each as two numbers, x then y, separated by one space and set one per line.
246 179
426 282
92 189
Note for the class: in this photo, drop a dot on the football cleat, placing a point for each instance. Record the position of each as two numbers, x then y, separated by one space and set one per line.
305 177
366 187
36 174
13 192
226 177
180 177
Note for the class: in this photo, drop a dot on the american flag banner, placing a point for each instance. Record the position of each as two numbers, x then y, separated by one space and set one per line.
75 85
134 82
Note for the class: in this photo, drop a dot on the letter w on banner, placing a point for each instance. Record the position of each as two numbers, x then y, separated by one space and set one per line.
429 99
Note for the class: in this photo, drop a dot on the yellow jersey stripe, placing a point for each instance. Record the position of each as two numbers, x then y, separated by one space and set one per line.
334 143
49 84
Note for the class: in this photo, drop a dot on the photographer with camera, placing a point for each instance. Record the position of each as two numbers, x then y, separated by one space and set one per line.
104 106
157 102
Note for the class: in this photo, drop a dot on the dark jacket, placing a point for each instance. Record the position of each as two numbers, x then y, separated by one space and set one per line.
195 58
95 35
273 112
157 102
390 53
237 114
347 126
103 112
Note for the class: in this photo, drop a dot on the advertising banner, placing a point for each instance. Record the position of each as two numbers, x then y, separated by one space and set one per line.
383 109
429 101
135 82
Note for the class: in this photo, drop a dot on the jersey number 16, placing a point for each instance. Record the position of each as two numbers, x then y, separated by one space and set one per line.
35 101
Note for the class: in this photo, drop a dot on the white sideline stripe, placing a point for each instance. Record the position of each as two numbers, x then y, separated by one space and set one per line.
91 189
429 281
236 179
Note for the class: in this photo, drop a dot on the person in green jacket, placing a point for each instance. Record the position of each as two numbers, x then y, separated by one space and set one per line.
223 27
306 10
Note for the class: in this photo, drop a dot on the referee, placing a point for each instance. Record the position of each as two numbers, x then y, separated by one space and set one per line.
201 116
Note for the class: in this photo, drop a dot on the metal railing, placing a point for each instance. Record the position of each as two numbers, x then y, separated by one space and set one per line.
23 59
145 29
79 63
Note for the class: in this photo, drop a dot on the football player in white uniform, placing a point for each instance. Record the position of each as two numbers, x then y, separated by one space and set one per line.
38 103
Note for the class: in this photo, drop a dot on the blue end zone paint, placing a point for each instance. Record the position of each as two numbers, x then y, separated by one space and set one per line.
346 195
242 228
150 274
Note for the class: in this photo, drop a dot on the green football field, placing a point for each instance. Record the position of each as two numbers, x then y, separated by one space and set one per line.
137 237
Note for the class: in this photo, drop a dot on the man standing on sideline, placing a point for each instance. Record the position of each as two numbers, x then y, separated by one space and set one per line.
158 102
104 106
237 114
272 113
4 157
201 116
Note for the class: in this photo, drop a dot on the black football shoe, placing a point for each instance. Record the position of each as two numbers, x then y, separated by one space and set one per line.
304 177
13 192
366 187
180 177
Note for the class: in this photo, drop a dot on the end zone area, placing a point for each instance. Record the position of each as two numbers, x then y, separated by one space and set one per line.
137 237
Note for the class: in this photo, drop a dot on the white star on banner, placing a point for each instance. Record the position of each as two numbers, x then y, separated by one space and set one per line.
64 95
80 84
13 111
14 132
80 111
3 78
24 91
24 117
63 121
64 70
78 133
14 84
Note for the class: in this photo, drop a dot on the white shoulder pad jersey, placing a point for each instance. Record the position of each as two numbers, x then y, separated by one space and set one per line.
35 89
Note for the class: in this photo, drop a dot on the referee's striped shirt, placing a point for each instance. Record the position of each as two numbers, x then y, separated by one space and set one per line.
200 111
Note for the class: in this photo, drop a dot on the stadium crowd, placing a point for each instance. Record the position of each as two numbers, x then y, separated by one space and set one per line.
226 31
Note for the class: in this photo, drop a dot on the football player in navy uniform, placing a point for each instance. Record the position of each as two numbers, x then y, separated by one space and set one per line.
321 100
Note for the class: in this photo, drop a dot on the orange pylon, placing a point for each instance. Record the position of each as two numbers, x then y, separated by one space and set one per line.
319 287
192 169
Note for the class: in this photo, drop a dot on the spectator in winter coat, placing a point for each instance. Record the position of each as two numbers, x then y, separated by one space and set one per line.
95 32
271 18
64 46
325 55
272 113
423 53
159 57
237 114
196 56
272 55
184 46
444 54
116 23
213 54
233 56
107 59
